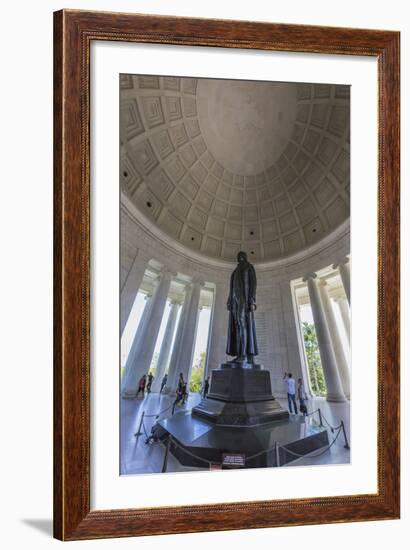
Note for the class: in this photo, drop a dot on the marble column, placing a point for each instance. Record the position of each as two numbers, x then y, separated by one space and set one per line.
137 338
182 355
190 331
345 314
216 353
344 370
287 336
173 363
148 338
131 286
344 270
165 351
330 370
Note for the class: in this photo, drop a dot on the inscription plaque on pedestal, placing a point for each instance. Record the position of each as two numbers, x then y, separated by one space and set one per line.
233 460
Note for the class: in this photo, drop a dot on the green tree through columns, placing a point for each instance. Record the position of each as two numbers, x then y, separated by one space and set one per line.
316 377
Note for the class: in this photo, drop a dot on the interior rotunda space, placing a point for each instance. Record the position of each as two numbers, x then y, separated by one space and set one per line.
209 168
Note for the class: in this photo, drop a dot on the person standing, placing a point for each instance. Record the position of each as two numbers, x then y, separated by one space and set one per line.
141 385
206 387
181 382
291 387
184 393
179 392
180 389
164 382
302 397
150 379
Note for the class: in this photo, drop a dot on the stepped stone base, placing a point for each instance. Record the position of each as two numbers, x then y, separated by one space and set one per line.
240 395
194 438
242 418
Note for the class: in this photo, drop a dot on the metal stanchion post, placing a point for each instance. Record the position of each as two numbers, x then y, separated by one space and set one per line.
347 446
320 418
277 454
164 465
139 432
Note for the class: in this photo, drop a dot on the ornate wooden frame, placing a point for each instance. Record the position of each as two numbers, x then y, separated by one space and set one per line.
73 33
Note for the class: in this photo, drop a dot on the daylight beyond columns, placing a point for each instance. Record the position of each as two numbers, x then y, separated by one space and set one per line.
132 355
131 287
148 339
330 371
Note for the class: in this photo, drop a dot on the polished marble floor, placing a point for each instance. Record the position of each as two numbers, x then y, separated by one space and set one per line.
139 458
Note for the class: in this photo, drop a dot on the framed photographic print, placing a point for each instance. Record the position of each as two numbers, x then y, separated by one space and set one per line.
226 275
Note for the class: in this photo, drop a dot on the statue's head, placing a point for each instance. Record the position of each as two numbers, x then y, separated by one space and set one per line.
242 257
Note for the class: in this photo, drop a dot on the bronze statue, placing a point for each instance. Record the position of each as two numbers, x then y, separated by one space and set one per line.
241 305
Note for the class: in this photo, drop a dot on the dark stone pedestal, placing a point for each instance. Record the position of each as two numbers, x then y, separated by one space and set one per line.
194 437
240 395
240 416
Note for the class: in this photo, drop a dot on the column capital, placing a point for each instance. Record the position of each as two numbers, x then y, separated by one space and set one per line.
196 281
142 255
309 276
167 273
155 278
176 301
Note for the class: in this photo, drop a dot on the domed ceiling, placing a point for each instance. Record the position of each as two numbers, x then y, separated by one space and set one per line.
223 165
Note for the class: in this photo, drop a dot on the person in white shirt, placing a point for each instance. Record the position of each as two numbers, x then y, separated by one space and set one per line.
291 387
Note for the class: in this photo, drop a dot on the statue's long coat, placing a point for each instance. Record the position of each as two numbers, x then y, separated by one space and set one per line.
242 295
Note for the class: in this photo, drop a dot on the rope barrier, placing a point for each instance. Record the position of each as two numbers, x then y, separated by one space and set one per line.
275 448
157 415
333 428
193 455
142 425
313 412
260 453
323 418
297 455
292 452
